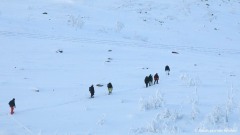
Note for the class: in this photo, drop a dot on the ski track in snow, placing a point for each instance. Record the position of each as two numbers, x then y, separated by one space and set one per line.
121 43
21 125
50 106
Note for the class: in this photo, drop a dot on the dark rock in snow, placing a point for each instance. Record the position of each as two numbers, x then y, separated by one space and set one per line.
59 51
99 85
175 52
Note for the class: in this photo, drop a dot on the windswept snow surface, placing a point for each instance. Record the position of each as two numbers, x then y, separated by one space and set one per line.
120 41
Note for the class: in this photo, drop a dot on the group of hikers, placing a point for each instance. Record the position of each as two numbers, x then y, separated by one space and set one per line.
92 91
149 79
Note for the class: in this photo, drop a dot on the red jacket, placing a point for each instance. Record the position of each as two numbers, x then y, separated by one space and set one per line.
156 77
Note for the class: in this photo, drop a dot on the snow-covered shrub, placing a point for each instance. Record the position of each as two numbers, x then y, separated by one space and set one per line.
152 126
231 104
215 120
230 100
189 81
76 22
164 122
184 77
194 112
193 82
137 131
194 104
217 116
119 26
154 102
168 116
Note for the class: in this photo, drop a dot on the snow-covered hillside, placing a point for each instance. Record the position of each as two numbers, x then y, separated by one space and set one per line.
119 41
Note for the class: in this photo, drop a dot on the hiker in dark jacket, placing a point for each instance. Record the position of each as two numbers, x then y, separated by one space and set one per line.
12 105
146 80
150 79
156 78
91 90
167 69
110 88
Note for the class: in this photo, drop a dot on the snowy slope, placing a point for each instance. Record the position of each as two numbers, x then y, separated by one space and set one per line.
121 42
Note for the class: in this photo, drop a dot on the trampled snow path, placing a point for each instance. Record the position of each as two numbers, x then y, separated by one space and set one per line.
122 43
19 124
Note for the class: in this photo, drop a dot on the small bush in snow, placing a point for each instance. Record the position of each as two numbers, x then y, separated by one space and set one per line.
230 100
189 81
194 103
164 122
217 116
119 27
76 22
153 102
215 120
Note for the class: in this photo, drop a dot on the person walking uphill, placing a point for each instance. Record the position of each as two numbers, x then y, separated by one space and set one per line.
167 69
146 80
91 90
110 88
156 78
12 105
150 79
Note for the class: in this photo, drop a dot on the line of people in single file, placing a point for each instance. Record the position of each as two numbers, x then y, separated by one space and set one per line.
149 79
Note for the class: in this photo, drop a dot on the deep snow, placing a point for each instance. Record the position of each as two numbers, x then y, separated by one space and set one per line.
199 97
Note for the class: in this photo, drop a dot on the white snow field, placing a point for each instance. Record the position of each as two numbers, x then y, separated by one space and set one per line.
120 41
